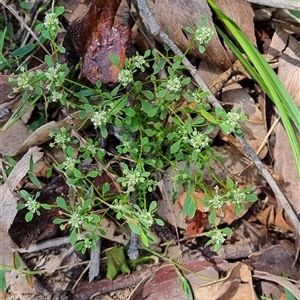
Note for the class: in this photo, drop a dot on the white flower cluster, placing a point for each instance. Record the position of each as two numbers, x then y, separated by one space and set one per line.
218 237
203 35
125 77
61 138
146 217
51 21
132 178
232 119
237 196
56 96
99 118
23 81
70 163
174 84
76 220
54 73
139 61
199 140
32 205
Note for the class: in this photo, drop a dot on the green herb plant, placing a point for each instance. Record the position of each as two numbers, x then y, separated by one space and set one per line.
153 131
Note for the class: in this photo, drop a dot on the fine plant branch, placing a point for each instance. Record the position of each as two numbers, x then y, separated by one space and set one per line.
157 31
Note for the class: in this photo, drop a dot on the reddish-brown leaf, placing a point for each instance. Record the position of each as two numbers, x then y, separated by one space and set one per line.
94 37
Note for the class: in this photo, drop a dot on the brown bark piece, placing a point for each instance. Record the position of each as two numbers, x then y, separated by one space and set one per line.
94 36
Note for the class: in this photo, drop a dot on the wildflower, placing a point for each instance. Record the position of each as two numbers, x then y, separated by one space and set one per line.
131 179
232 120
61 138
99 118
56 96
76 220
51 21
173 84
32 205
145 217
139 61
203 35
125 77
199 140
23 81
218 237
54 73
69 163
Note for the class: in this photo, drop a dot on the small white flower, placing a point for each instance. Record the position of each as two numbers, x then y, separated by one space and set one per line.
232 119
32 205
132 178
56 96
173 84
99 118
51 21
199 140
218 237
125 77
24 81
69 163
146 217
75 220
139 61
203 35
53 73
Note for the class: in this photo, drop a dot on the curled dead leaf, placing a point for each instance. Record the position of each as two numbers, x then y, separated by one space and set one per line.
94 36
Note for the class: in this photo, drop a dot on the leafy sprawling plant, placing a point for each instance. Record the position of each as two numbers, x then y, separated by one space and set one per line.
156 121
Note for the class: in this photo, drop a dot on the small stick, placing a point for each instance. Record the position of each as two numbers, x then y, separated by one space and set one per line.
156 31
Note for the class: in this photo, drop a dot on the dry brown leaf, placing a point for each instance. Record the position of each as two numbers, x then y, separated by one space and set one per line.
8 212
18 139
235 286
94 36
164 282
189 12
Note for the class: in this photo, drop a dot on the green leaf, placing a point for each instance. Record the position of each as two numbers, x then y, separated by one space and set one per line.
227 231
190 30
73 237
46 206
29 279
144 239
105 188
93 174
59 10
23 50
189 207
24 194
175 147
61 202
115 60
135 228
3 285
230 183
116 262
251 198
208 116
148 94
34 180
29 216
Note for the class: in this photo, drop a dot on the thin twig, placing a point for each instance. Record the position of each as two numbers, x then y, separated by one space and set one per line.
156 31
